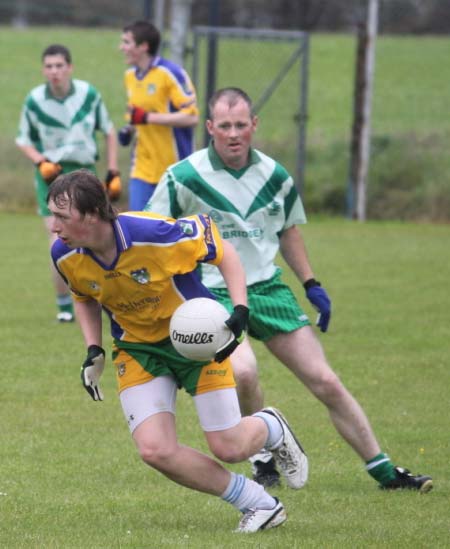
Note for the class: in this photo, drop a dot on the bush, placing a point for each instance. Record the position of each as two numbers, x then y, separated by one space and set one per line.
405 178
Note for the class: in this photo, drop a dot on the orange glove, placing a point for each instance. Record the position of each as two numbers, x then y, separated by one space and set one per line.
113 185
49 170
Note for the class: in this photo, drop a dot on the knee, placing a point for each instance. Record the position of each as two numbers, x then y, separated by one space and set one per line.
156 455
226 451
246 375
329 388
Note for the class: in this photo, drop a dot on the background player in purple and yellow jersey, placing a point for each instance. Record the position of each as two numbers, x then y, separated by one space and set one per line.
139 267
162 111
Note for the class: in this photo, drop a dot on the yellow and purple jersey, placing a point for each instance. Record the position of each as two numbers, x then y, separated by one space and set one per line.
153 272
164 88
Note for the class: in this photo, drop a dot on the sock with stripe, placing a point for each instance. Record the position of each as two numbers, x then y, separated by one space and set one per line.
381 468
245 494
64 303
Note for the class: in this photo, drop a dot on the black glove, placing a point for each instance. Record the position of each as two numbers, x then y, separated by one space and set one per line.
92 370
237 323
320 301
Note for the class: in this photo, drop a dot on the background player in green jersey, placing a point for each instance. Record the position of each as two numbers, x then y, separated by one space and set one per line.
57 129
256 207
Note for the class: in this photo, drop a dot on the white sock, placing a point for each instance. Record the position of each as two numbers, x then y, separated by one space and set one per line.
244 494
275 437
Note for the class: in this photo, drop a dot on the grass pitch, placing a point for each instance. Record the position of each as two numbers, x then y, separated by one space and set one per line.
71 477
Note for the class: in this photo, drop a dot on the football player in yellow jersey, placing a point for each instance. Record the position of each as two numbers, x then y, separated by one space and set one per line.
162 111
139 267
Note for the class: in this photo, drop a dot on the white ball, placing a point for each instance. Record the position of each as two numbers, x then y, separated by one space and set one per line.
197 328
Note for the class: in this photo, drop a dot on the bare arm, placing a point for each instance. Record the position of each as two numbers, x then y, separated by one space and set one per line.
233 274
111 150
89 315
175 119
32 153
293 250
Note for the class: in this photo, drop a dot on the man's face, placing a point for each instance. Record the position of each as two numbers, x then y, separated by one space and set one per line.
68 224
133 52
232 128
57 71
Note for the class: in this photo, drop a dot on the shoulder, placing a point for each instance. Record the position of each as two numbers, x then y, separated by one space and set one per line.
173 69
60 251
82 86
190 165
37 94
272 166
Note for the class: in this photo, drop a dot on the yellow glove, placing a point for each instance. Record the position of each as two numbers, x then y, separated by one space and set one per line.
113 185
49 170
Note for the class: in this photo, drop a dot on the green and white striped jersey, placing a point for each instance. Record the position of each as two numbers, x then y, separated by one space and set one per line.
64 130
251 207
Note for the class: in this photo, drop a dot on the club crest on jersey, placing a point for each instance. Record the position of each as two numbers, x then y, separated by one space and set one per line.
274 208
186 227
216 216
93 285
151 89
121 369
141 276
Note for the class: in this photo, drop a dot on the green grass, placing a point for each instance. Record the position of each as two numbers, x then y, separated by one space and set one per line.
411 90
71 477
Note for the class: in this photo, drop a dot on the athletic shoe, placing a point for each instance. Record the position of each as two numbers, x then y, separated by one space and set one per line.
265 473
262 519
289 456
65 316
405 479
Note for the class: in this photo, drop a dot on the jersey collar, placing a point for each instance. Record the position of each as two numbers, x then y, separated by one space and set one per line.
141 74
49 94
218 164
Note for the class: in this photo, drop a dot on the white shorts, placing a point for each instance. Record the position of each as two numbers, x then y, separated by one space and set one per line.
216 410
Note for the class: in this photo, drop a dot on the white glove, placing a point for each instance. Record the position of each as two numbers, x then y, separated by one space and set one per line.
91 371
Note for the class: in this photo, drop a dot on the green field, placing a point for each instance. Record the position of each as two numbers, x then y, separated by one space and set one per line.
410 165
71 477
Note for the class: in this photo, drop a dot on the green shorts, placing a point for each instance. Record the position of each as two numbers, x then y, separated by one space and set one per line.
138 363
41 187
273 308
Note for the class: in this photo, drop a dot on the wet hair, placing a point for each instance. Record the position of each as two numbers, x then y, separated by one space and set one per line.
232 95
144 31
57 49
82 190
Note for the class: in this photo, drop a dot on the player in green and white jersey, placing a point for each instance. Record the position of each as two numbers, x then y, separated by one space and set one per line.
255 205
57 132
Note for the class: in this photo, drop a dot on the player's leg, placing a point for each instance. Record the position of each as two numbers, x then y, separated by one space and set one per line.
302 353
251 399
233 439
150 409
245 368
139 193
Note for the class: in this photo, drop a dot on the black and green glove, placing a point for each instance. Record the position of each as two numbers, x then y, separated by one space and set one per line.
91 371
237 323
